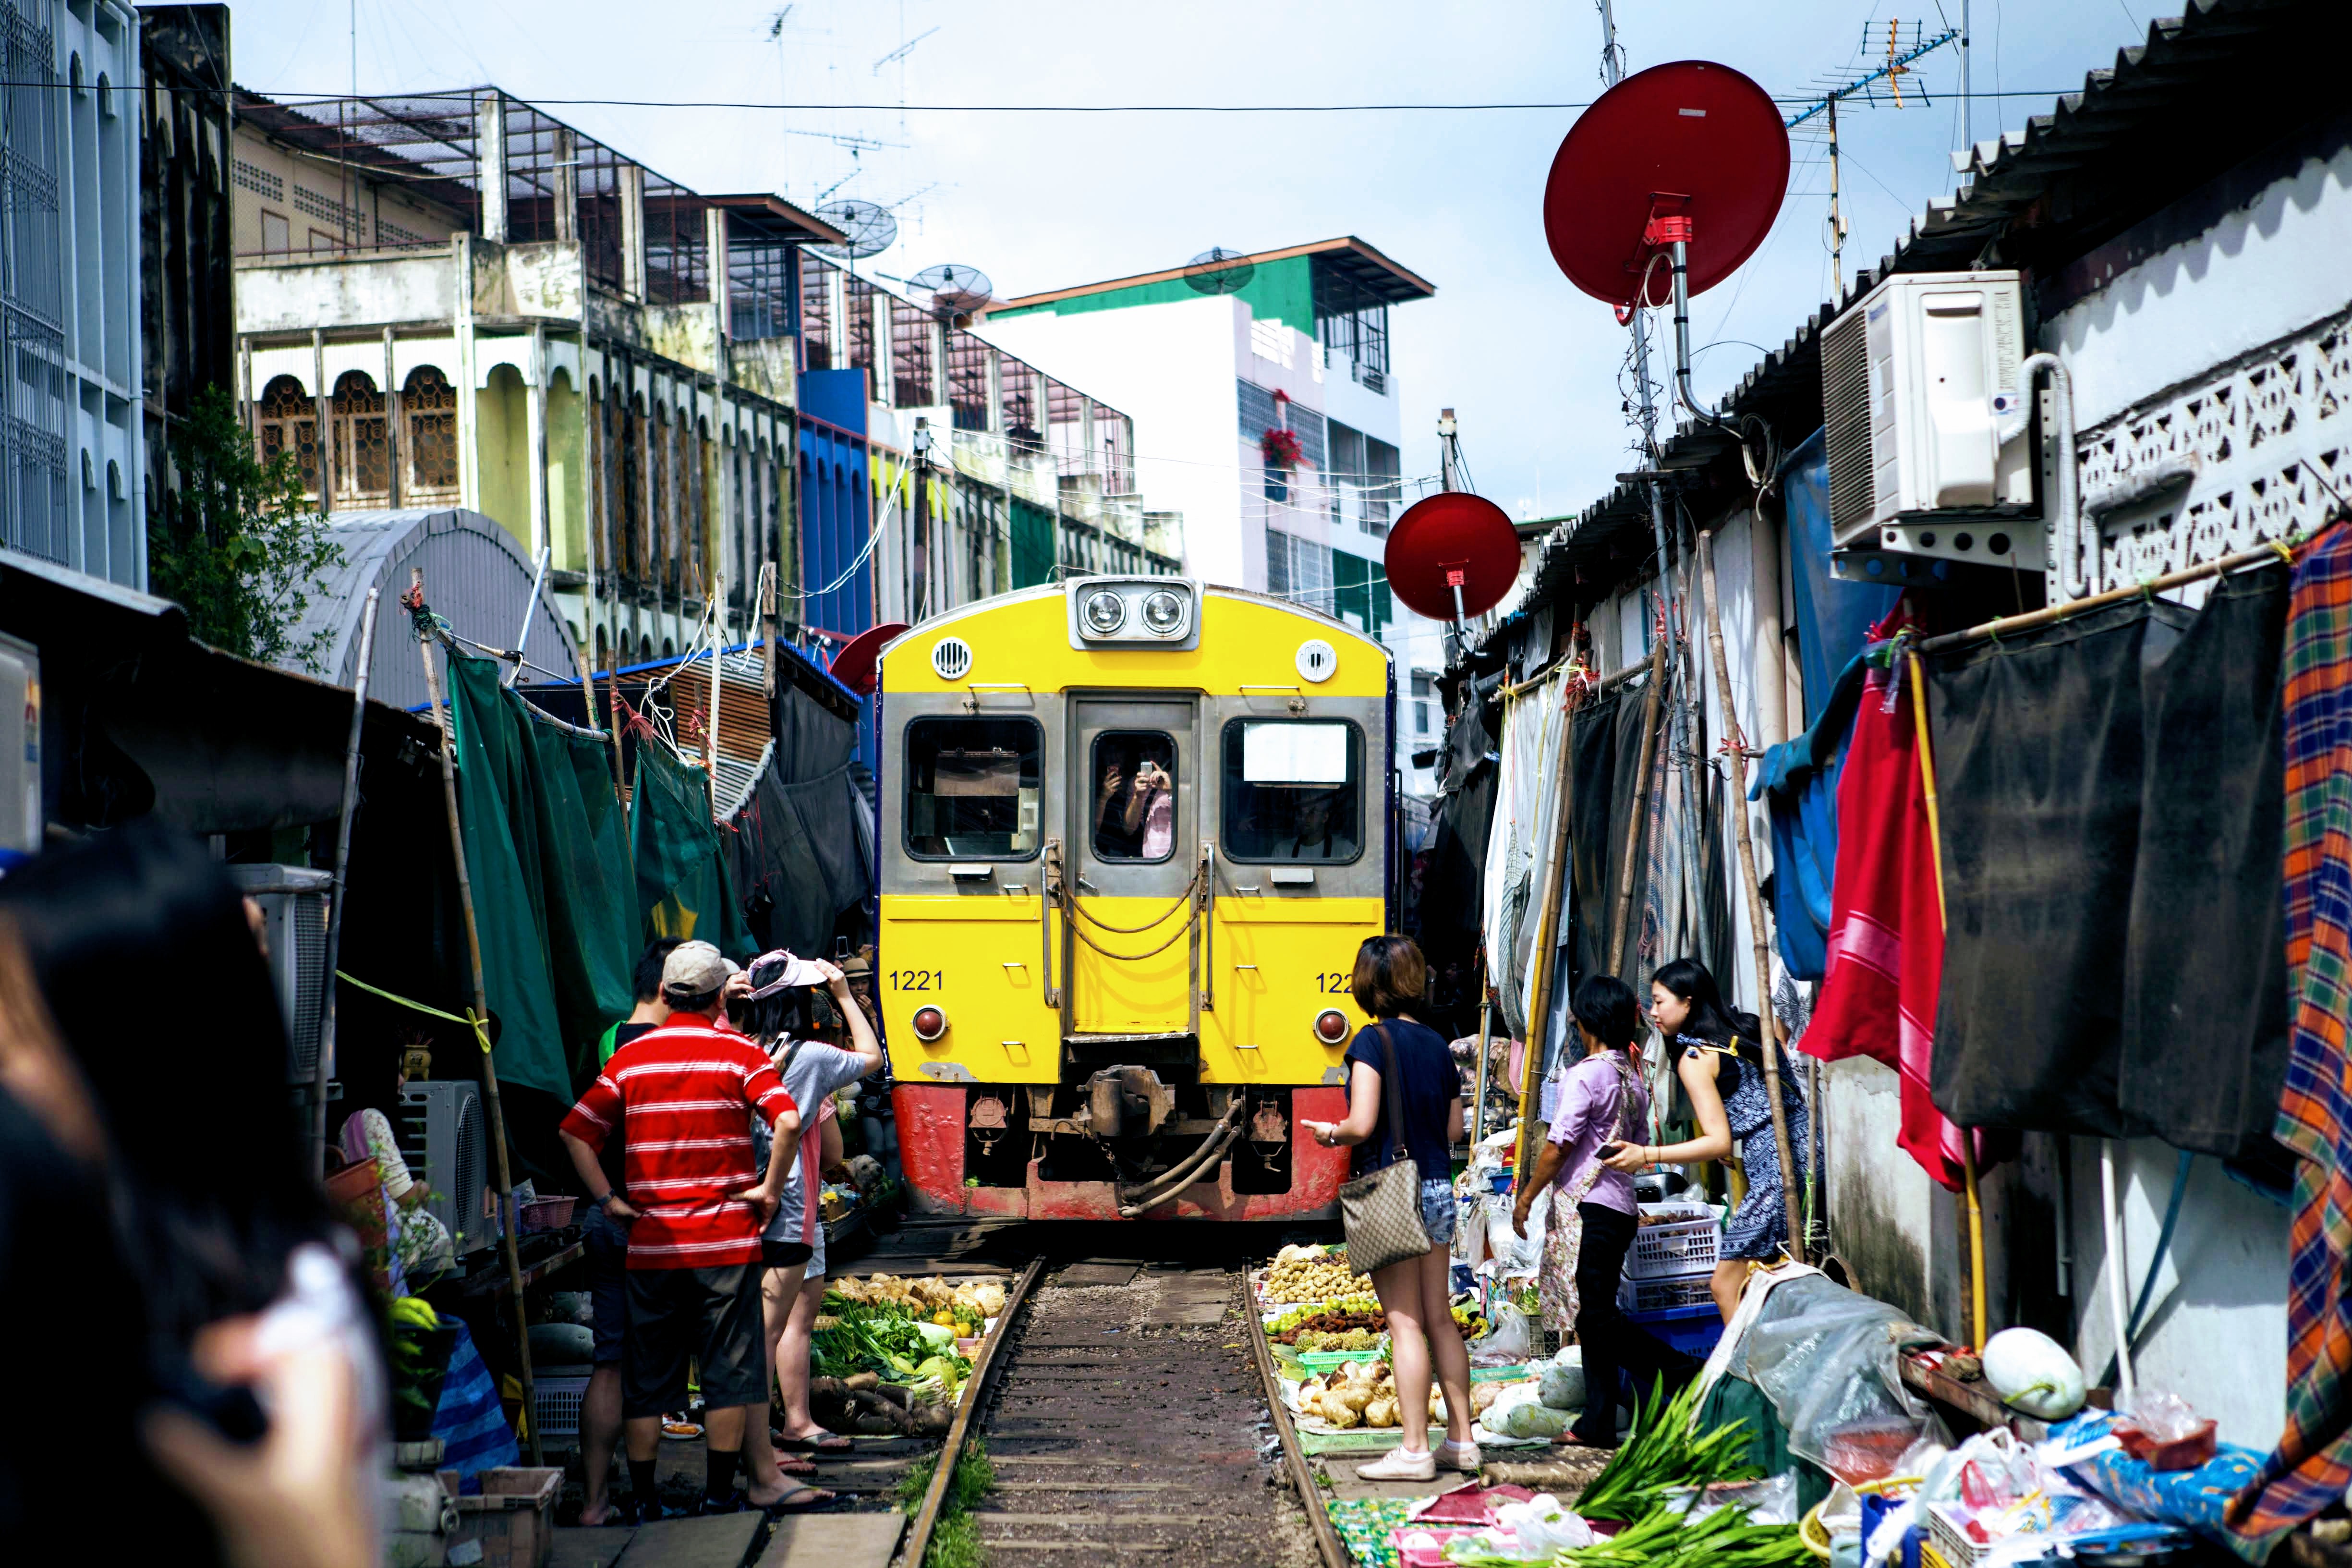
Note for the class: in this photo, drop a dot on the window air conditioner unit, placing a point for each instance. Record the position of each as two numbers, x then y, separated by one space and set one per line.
1918 381
293 900
441 1136
20 751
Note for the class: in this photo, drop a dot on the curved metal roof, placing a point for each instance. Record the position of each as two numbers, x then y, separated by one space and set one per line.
475 578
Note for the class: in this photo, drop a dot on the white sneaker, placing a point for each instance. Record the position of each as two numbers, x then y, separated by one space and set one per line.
1402 1465
1463 1456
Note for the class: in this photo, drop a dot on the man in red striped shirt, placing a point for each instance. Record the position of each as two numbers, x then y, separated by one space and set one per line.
682 1096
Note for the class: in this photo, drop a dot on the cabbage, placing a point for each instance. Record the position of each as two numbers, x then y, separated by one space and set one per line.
1563 1379
936 1336
2033 1373
1530 1418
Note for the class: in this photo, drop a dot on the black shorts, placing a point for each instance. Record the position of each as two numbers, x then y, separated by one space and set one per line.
710 1314
608 1283
784 1254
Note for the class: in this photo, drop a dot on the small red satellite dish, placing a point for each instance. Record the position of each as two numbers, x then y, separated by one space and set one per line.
1691 140
854 664
1453 534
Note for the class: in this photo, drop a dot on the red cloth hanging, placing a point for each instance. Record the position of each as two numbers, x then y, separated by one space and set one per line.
1886 924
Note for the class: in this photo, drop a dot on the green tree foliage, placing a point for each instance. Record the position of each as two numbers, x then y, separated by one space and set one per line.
237 545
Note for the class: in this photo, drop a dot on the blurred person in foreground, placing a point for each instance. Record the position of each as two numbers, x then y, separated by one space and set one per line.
161 1238
792 1246
683 1095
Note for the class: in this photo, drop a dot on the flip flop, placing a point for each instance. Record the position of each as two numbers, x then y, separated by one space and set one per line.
823 1442
813 1498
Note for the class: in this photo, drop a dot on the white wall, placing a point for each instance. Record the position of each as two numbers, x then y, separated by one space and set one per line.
1171 368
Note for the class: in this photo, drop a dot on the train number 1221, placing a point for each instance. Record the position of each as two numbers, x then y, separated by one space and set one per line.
1334 984
918 980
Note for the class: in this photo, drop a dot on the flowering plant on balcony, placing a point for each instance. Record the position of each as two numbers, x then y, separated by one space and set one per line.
1280 448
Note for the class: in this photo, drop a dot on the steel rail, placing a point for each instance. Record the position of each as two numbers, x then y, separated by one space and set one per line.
1327 1543
917 1542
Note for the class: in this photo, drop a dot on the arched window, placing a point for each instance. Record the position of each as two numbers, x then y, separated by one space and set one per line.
644 648
659 561
431 404
631 549
289 424
363 460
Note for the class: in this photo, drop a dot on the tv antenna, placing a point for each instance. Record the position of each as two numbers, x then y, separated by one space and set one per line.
1217 270
1873 90
869 229
903 50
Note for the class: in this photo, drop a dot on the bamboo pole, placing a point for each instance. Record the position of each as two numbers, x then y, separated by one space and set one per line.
512 1222
1485 1049
1546 957
1972 1205
2068 611
322 1075
1770 1044
1651 706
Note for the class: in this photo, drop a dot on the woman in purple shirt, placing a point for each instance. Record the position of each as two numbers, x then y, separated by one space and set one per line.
1594 1219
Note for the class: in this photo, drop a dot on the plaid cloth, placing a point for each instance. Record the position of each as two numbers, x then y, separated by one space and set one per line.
2313 1464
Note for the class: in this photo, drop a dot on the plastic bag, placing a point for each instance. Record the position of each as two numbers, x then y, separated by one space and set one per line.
1772 1500
1542 1526
1507 1338
1826 1358
1562 1379
2167 1418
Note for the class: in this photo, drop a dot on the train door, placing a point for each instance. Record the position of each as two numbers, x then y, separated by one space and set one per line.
1134 854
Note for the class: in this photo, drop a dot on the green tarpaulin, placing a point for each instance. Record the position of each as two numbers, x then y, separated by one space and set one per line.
547 852
683 889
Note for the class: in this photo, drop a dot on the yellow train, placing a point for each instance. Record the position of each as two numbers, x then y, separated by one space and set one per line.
1131 832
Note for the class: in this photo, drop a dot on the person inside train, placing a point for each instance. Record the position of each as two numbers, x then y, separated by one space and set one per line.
1134 808
1322 833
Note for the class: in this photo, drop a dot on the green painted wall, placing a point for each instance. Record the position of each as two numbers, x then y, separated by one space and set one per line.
567 471
1033 544
1360 589
1277 291
502 442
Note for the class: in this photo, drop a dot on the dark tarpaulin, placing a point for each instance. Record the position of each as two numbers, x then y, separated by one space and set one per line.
547 863
1834 617
1605 751
683 888
2111 796
794 857
1452 884
1797 782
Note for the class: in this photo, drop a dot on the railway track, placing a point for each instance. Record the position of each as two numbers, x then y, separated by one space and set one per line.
1128 1416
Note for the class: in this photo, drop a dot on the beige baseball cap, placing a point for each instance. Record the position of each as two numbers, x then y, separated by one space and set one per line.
693 969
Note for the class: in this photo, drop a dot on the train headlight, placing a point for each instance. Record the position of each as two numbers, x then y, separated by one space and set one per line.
1105 611
1330 1026
1163 612
930 1022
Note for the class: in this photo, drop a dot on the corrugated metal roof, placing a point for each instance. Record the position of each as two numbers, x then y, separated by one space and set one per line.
2207 89
475 578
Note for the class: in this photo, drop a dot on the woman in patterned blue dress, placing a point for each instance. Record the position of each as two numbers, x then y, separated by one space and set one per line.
1721 1062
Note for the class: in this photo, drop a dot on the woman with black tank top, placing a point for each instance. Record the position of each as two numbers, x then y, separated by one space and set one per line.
1720 1061
1390 983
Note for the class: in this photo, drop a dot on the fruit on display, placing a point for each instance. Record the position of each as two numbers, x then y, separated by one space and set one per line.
1328 1318
1313 1274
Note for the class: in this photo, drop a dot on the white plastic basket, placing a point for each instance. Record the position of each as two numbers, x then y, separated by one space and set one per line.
1673 1248
1657 1295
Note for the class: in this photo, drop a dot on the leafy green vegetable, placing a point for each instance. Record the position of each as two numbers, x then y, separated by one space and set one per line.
1667 1451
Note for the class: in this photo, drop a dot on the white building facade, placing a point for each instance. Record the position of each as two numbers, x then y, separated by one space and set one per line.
1268 414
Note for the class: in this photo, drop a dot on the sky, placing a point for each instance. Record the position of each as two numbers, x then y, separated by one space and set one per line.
1531 366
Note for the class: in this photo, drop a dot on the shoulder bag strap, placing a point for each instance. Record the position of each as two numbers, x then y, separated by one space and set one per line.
1392 1092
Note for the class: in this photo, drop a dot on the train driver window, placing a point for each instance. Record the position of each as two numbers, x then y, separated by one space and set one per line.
1135 796
972 788
1294 790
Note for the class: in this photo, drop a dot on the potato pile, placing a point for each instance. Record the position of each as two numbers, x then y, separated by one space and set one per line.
972 1301
1309 1274
1364 1394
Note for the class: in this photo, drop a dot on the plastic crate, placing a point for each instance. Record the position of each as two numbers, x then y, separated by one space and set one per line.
1693 1331
1671 1249
1639 1296
1948 1540
556 1404
512 1518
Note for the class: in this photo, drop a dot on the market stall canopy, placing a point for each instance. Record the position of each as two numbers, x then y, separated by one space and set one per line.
476 578
139 717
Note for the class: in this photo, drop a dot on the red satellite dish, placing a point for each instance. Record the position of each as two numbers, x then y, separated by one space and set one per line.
1690 139
1453 533
856 665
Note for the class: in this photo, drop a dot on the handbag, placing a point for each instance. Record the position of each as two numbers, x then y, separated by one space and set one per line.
1380 1211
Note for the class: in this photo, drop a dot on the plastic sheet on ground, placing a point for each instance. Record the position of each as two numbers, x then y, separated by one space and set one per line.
2194 1499
1827 1358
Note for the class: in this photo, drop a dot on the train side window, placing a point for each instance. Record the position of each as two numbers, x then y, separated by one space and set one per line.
1135 796
1294 790
972 788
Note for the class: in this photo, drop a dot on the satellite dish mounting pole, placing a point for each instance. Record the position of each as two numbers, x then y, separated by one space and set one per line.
1449 451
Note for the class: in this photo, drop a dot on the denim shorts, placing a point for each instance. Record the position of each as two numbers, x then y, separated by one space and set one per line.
608 1282
1437 1210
